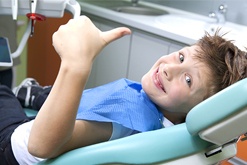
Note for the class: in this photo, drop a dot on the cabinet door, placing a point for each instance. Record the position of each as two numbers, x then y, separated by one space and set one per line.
91 80
42 60
175 47
111 64
146 49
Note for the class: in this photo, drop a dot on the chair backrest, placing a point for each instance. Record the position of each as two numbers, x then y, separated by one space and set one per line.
180 143
222 117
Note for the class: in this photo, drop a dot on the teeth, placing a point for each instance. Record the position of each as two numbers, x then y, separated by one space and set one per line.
157 79
162 88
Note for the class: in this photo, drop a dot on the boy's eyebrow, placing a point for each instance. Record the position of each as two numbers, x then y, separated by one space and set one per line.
188 51
198 74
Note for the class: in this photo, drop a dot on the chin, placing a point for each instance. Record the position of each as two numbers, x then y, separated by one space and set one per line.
143 79
145 82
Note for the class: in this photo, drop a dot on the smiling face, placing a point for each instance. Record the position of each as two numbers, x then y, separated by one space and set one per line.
177 82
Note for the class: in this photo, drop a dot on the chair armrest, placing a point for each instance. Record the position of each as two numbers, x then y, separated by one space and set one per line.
149 147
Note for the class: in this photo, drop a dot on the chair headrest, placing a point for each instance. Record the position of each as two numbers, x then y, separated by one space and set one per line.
222 105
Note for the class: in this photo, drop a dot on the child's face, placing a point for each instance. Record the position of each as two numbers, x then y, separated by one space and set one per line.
177 82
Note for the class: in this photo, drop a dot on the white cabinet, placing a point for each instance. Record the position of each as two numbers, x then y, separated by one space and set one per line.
129 57
175 46
111 64
146 49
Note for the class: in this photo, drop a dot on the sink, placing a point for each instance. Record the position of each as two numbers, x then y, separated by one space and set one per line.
181 25
124 6
194 27
140 10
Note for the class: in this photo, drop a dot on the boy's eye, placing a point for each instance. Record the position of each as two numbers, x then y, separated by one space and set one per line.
181 58
188 80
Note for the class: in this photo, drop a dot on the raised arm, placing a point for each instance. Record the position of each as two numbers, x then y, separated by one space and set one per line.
77 43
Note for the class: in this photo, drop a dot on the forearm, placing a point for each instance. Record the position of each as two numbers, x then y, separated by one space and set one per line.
77 43
54 123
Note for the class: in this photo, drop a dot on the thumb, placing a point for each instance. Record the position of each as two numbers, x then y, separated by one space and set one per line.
111 35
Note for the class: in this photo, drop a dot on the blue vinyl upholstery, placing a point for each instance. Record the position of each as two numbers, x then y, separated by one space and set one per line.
221 105
165 144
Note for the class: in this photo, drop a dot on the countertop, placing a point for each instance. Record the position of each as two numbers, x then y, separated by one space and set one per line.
178 25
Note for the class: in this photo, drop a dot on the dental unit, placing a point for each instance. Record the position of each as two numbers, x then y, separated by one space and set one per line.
37 10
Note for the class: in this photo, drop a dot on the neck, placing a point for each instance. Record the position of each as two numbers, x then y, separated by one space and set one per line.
175 118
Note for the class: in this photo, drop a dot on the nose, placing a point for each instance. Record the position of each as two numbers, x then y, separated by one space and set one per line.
171 71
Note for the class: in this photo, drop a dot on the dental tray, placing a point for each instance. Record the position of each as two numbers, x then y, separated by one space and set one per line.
48 8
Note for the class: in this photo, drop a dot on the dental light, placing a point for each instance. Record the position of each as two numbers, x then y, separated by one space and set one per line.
37 10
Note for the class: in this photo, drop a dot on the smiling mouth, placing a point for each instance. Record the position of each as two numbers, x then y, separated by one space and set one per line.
158 82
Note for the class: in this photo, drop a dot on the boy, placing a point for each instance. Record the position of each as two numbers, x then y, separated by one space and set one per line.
175 84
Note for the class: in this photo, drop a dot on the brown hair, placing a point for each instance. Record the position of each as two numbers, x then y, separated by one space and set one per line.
226 62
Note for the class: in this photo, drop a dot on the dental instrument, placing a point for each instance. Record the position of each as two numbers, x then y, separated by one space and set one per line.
47 8
14 9
34 16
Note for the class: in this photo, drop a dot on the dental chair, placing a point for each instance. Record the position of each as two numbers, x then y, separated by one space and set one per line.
208 136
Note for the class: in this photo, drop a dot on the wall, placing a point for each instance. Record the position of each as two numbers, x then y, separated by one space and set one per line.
237 9
21 69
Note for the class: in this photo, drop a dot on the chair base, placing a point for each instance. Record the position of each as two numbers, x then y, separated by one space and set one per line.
201 159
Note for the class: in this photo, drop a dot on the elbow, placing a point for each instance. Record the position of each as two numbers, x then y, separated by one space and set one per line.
40 151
